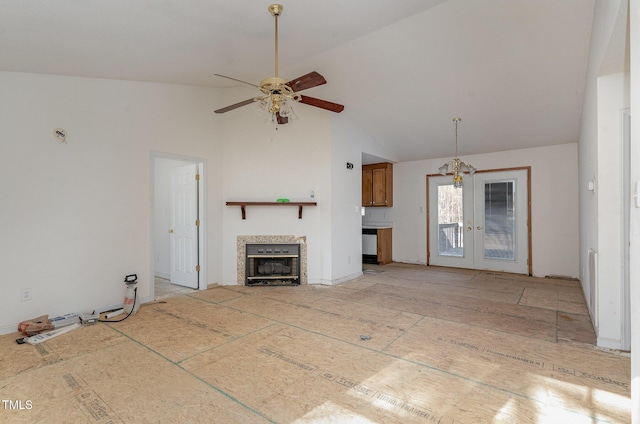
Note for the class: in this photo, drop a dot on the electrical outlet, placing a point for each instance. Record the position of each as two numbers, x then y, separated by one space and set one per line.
25 294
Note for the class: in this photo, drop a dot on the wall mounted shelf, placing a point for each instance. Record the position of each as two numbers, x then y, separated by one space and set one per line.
243 206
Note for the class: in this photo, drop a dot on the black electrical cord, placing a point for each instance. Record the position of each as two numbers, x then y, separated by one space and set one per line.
135 296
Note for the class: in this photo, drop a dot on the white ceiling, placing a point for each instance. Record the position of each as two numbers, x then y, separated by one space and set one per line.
514 70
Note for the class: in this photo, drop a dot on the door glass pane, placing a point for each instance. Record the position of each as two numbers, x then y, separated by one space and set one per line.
450 221
499 221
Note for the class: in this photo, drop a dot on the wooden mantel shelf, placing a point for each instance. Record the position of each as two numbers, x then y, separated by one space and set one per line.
243 206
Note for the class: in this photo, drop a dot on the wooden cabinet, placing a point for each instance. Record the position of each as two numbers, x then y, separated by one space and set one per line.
377 184
376 246
384 246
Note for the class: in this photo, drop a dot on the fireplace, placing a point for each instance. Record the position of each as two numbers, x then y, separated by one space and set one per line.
272 264
243 241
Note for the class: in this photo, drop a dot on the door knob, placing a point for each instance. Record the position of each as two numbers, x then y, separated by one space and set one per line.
469 228
479 227
171 231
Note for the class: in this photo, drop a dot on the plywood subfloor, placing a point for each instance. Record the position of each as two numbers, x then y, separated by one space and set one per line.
401 344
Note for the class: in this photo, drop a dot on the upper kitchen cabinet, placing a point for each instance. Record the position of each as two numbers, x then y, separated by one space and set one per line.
377 184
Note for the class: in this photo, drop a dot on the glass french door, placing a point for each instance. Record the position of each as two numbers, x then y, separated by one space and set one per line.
481 225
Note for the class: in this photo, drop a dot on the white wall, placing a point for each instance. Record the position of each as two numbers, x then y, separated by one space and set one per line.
81 213
262 163
612 91
554 208
635 211
77 214
348 144
600 157
308 155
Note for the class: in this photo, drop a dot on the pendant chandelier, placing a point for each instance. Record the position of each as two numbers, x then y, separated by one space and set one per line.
456 166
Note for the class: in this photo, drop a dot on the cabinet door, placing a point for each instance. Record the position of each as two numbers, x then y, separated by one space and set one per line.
385 254
379 187
367 187
377 184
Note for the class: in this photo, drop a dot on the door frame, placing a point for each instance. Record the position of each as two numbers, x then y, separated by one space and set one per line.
201 187
529 218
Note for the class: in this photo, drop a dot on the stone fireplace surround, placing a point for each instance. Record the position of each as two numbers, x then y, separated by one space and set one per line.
242 241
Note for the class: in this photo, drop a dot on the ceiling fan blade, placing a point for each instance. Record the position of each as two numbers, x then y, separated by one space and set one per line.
282 119
323 104
235 106
312 79
235 79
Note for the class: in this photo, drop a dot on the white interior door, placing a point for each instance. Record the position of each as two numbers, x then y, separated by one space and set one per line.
481 225
184 229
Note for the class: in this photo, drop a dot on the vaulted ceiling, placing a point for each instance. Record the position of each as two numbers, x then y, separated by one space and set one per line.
514 70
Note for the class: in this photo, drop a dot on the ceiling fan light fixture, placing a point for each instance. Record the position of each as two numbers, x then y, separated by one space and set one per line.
278 97
275 108
286 110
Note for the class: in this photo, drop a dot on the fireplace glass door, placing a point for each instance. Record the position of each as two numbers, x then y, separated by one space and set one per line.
272 264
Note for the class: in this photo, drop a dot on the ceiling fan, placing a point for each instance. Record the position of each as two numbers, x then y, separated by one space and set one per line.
278 93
